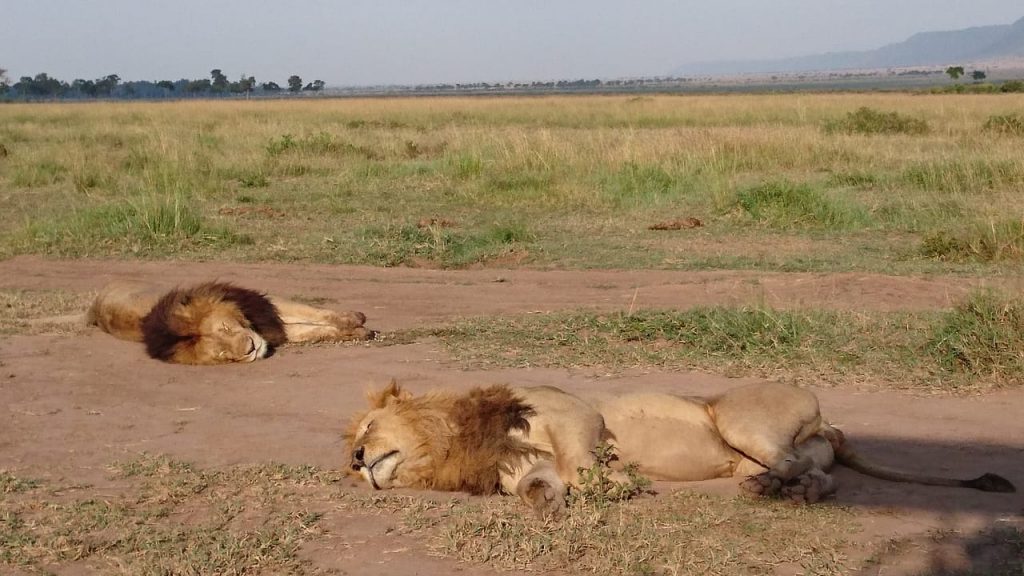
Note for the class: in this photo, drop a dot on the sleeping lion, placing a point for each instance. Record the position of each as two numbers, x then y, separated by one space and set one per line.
215 322
531 441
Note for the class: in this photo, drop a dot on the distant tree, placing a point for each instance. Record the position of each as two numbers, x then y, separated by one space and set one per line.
294 83
105 86
84 87
314 86
955 72
166 85
978 75
40 86
4 82
244 85
271 87
218 81
198 86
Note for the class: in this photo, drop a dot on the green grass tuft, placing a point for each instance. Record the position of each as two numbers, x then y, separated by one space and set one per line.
464 166
637 185
982 338
785 205
148 224
1001 241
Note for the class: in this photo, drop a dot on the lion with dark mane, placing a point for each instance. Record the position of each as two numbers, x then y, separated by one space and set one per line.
531 442
215 322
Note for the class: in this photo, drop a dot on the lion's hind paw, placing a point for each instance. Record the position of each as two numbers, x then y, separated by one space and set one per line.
764 484
809 488
804 489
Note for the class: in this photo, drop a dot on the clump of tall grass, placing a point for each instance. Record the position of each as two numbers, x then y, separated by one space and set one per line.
146 224
1010 124
995 241
982 337
867 120
963 176
636 184
786 205
464 166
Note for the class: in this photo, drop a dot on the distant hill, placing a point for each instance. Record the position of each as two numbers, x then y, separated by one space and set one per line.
925 49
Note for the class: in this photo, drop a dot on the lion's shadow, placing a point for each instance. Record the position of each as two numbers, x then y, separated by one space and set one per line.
958 460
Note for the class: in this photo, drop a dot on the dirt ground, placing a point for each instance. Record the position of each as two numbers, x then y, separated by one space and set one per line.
76 403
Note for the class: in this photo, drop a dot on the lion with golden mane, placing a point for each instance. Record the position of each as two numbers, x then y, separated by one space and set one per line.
215 322
532 441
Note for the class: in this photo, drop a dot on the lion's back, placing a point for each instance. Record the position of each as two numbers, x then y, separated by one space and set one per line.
120 306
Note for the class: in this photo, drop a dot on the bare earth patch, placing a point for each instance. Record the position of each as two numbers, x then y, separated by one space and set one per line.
75 404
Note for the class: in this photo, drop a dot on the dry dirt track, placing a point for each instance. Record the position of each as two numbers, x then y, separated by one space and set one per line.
74 404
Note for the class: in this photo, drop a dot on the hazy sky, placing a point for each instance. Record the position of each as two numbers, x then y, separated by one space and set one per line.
425 41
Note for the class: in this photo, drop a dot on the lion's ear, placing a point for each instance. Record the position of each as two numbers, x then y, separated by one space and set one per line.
388 395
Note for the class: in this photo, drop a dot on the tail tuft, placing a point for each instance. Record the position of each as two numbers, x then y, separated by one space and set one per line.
990 483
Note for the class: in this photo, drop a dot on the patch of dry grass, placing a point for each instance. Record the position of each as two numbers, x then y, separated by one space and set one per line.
43 311
173 518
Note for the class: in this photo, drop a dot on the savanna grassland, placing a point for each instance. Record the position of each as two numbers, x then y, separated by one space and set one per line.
880 182
114 463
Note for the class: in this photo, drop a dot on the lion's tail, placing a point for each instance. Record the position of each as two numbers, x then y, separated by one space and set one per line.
846 455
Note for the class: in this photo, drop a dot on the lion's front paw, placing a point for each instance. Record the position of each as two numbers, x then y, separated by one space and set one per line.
809 488
764 484
546 500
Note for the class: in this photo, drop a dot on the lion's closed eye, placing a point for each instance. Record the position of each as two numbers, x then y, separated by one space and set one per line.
366 429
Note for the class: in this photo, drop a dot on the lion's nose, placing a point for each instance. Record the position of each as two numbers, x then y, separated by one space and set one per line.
357 458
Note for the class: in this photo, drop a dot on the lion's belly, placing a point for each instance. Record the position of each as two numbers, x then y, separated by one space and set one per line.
669 437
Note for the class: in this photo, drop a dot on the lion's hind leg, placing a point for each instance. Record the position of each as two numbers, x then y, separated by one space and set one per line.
304 323
777 427
799 477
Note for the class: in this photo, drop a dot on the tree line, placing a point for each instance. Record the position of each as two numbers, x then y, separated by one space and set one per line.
44 86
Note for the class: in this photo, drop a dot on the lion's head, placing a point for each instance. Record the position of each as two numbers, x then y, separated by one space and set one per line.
212 323
439 441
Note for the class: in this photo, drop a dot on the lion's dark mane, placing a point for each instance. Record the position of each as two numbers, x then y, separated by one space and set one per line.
482 448
165 332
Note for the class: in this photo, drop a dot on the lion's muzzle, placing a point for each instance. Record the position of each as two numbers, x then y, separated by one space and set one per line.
357 458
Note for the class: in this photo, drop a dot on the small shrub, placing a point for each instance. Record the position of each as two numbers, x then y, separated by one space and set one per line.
597 487
1011 124
1012 86
279 146
870 121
